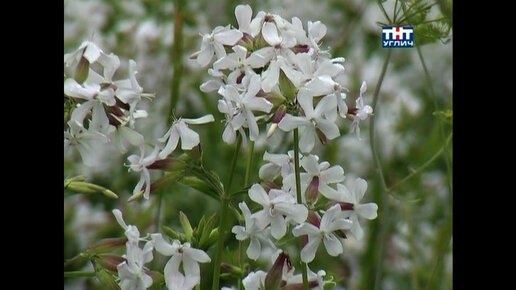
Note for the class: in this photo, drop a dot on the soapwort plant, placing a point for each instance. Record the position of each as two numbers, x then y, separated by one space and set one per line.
274 78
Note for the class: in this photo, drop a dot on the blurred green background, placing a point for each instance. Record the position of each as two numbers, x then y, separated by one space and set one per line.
409 245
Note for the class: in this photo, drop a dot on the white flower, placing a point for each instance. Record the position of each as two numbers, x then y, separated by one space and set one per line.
245 104
91 52
131 232
362 112
253 230
95 99
239 63
278 206
180 129
214 43
181 254
327 175
139 164
354 196
330 222
279 164
131 272
254 280
312 120
83 140
291 279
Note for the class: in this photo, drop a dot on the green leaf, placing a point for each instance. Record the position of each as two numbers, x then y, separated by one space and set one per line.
200 185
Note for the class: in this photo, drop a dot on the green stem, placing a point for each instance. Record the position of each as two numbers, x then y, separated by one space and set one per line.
158 214
246 183
177 59
299 200
77 274
224 210
372 271
249 163
425 165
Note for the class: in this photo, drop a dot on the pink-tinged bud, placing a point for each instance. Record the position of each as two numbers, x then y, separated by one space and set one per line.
105 245
168 164
280 113
268 185
346 206
314 218
312 191
109 261
352 111
273 277
300 48
247 41
321 136
276 99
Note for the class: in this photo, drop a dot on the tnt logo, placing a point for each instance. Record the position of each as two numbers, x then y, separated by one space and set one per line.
397 36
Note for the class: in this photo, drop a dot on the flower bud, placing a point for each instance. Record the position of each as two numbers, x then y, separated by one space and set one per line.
187 227
273 277
109 261
247 41
168 164
106 245
106 278
312 191
82 70
86 187
228 268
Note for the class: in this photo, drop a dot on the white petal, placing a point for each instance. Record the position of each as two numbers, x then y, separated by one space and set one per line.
269 171
243 15
308 252
359 189
329 216
333 245
307 140
339 224
259 104
171 143
310 164
329 192
205 56
253 126
333 174
163 246
197 255
316 30
289 122
227 62
306 100
210 86
367 211
329 129
356 229
264 54
297 212
305 229
229 37
202 120
192 272
270 76
258 195
278 226
189 138
134 138
254 249
118 216
173 278
229 135
270 34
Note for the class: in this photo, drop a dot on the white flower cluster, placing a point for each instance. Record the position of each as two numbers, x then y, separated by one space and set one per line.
106 108
134 276
269 63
